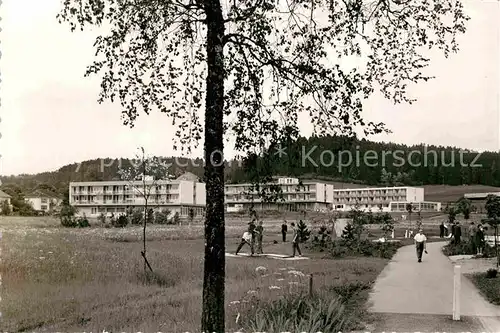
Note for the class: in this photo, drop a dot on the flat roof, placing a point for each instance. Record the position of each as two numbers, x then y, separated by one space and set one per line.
374 188
483 195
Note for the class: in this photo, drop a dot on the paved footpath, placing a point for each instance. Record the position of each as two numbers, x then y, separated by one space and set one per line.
412 296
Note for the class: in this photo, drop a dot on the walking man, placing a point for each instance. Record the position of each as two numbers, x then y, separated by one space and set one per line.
296 240
259 231
284 230
420 244
441 230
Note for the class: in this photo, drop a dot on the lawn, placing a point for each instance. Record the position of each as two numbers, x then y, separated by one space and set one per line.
59 279
489 287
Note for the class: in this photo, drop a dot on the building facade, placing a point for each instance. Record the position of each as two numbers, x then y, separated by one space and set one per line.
43 202
5 197
479 199
115 197
386 199
311 196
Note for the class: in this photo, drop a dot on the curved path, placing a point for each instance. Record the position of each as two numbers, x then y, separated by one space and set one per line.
411 296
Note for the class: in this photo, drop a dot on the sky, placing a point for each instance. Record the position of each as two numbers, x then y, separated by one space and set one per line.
49 115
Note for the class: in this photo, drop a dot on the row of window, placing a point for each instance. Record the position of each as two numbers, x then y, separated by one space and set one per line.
184 211
115 188
361 199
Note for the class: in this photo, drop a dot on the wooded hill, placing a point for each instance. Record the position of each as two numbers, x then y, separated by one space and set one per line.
390 166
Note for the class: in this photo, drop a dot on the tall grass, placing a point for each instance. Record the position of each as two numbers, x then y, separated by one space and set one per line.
299 314
57 279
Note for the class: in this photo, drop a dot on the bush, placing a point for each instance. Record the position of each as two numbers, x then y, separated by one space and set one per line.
176 219
68 221
82 222
298 314
491 273
102 218
321 240
365 248
120 222
136 216
150 216
161 217
67 216
466 248
303 231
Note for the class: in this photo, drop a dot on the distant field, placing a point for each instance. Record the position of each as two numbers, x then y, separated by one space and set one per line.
447 193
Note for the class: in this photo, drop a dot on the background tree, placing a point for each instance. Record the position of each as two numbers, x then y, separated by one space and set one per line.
409 209
452 215
260 65
143 176
464 206
191 215
387 225
303 231
386 178
358 218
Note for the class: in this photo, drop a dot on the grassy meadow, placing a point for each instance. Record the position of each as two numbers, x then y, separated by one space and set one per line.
58 279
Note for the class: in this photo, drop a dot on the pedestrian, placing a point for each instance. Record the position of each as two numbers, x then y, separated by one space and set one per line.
248 238
458 233
296 240
420 244
441 230
259 231
284 230
472 236
479 240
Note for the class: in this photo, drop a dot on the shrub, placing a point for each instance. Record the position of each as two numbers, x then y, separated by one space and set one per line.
348 234
176 219
322 239
136 216
298 314
68 221
304 232
120 222
161 217
465 247
150 216
491 273
82 222
67 216
102 218
365 248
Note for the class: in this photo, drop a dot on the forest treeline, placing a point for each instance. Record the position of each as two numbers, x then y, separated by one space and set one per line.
327 158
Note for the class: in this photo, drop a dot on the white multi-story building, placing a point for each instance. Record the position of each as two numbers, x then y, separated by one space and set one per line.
94 198
312 196
387 199
43 202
